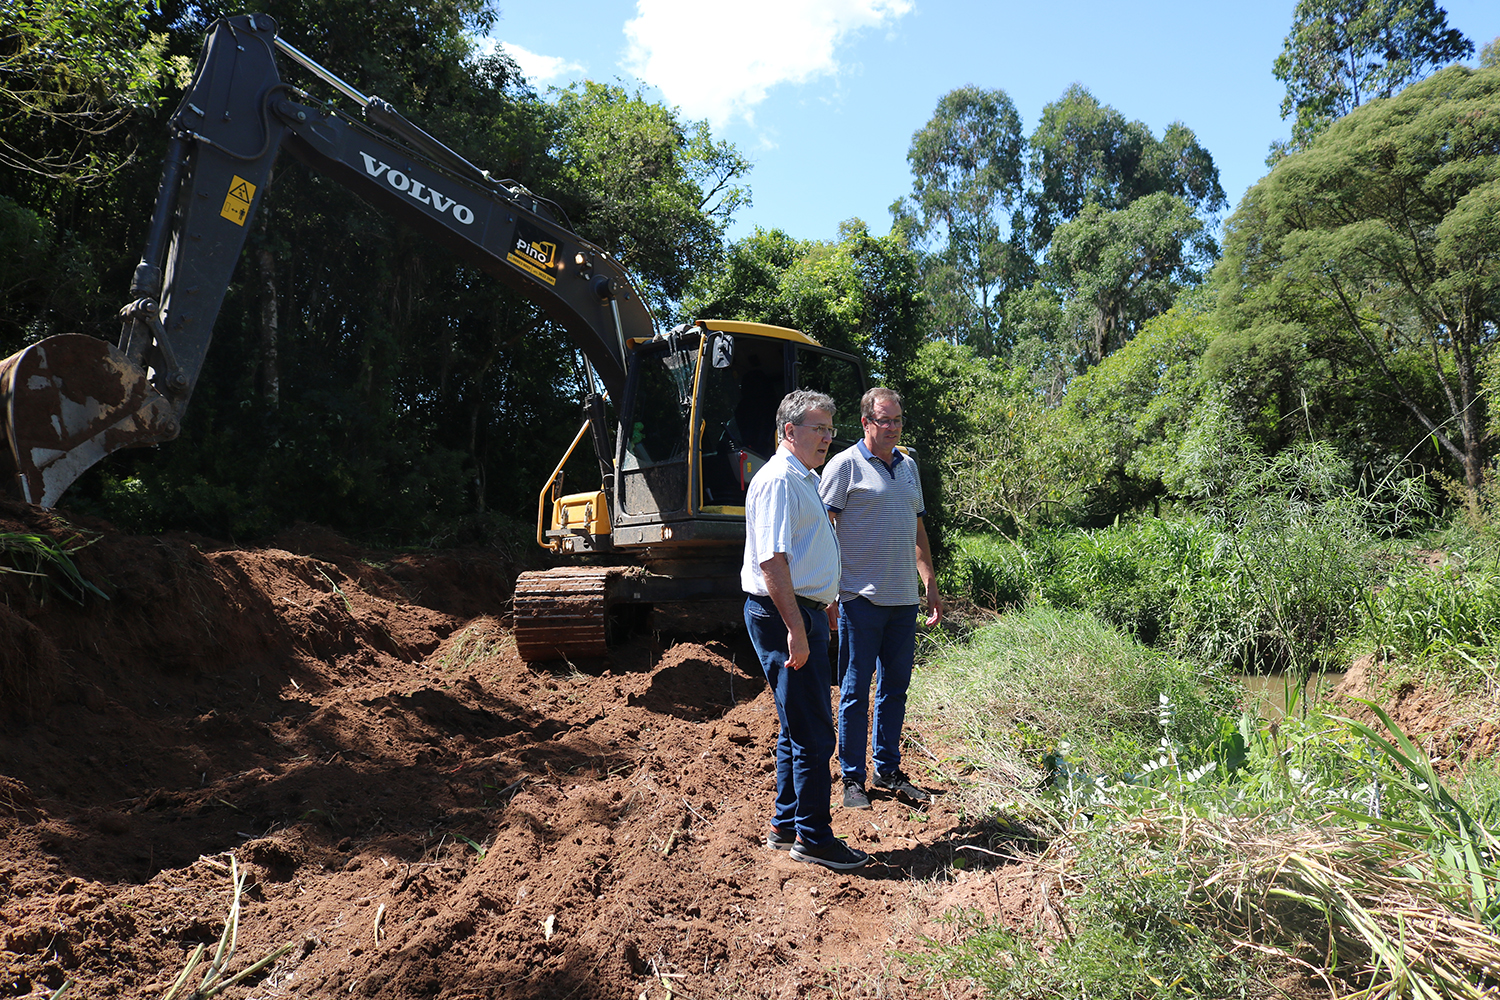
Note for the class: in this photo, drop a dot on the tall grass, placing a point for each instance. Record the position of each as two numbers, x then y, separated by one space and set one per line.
1041 675
1278 572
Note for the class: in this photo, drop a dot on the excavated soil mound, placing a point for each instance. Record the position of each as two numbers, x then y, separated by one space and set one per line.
413 810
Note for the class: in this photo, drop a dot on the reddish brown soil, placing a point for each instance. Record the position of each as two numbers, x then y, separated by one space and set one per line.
418 813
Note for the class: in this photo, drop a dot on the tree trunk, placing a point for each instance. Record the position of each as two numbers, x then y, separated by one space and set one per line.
270 371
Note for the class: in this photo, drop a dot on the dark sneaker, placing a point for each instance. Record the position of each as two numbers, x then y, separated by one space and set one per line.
838 855
901 786
781 840
854 795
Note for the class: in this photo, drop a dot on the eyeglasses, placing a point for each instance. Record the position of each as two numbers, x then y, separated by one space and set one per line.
825 430
886 422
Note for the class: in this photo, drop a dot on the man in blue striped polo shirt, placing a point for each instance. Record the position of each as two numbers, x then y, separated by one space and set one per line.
874 496
791 579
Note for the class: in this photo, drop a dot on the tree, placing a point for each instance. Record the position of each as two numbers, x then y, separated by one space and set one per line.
1084 152
1003 457
1142 406
1116 269
653 190
1342 53
1386 231
860 294
1121 217
71 74
967 189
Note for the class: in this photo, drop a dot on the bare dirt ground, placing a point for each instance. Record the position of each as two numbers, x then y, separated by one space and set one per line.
416 812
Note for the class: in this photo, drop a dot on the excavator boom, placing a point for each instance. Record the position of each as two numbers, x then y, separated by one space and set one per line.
69 401
695 406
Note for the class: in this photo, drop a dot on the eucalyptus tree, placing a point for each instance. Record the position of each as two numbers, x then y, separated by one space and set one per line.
966 206
1384 233
1083 152
1116 269
1340 54
1120 218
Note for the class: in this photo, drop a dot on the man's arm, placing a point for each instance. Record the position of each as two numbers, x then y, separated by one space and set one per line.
928 575
778 576
833 609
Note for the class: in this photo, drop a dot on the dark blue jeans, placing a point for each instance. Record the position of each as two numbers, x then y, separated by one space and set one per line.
880 643
804 744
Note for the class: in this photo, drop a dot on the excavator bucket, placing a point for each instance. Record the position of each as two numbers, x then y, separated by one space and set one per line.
68 401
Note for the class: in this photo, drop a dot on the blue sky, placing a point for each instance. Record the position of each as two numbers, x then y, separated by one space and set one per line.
824 95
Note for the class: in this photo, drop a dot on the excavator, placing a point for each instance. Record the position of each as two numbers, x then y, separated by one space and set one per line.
695 406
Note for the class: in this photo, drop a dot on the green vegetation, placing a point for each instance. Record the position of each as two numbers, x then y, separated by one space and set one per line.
1199 847
49 563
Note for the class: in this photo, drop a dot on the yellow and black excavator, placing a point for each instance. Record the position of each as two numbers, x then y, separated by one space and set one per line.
695 405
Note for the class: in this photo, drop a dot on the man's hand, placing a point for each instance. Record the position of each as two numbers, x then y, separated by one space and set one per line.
934 608
796 648
928 575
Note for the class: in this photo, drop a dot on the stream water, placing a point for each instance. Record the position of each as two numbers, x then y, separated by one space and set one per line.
1269 691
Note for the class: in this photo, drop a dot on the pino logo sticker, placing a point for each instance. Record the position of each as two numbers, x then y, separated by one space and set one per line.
533 253
237 202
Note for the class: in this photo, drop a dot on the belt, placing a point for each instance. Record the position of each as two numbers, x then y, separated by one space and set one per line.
808 602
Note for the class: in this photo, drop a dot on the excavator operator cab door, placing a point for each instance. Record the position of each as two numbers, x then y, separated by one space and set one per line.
653 449
741 383
742 380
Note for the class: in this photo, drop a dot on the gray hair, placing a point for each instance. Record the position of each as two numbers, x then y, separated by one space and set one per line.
796 404
879 394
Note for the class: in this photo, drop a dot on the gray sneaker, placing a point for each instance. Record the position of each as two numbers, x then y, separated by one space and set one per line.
854 795
781 840
838 855
901 786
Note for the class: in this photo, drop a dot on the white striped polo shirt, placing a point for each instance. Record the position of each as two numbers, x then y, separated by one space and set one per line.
783 513
878 508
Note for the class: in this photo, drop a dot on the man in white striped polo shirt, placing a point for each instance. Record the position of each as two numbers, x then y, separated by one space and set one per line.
790 576
874 496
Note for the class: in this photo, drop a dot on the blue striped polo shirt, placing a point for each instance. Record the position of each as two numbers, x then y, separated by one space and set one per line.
878 507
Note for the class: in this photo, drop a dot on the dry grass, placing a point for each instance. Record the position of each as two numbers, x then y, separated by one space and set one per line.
1374 917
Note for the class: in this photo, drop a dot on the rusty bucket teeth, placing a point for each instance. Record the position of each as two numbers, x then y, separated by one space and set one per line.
67 402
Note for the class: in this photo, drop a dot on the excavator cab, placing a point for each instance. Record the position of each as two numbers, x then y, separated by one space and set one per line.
698 419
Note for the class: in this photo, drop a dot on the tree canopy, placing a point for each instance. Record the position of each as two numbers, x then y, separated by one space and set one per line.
967 195
1340 54
1386 231
859 293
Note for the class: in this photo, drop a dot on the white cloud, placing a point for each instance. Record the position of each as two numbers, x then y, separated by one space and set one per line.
535 67
717 59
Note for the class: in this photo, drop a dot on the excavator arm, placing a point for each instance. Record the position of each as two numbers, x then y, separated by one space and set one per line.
68 401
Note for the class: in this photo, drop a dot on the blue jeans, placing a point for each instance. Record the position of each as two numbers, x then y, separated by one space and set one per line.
804 744
880 643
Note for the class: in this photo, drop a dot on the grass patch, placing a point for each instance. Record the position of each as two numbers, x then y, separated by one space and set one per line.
1042 676
48 563
1199 849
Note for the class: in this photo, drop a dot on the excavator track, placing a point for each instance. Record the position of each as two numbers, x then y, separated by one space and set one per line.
564 613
